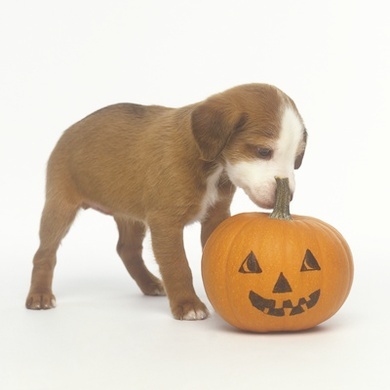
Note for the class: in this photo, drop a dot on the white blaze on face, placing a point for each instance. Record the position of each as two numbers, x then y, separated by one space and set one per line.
257 177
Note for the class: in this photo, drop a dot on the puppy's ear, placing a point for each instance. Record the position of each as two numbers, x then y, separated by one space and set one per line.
212 126
299 158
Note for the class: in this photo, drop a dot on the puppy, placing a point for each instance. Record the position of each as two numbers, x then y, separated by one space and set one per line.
163 168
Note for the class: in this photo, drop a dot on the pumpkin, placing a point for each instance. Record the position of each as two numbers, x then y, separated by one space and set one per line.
276 272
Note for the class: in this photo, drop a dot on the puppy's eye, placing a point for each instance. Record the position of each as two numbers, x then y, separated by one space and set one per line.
263 153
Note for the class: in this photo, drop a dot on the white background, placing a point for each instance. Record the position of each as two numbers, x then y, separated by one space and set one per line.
59 61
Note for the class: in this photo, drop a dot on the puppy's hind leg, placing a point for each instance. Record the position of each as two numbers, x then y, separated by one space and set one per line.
57 217
129 248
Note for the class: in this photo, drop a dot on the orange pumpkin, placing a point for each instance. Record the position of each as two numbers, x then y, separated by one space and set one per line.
273 272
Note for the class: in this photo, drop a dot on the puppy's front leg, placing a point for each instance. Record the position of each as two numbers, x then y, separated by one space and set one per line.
219 211
168 247
215 216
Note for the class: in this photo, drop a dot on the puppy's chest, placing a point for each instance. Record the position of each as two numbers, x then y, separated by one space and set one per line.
211 194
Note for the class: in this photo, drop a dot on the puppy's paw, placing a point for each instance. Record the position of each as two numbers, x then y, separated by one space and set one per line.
40 301
190 311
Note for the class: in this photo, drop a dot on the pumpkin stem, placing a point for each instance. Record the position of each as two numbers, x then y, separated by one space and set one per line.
282 203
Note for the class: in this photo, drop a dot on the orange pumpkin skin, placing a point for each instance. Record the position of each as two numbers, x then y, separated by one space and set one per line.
259 273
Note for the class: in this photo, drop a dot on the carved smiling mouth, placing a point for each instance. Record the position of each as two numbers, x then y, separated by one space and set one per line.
268 306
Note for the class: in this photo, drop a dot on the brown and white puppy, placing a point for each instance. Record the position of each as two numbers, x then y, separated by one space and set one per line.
163 168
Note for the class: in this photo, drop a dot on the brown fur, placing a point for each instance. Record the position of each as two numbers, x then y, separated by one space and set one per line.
149 166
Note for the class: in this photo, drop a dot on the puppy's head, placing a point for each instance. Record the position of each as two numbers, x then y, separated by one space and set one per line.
256 131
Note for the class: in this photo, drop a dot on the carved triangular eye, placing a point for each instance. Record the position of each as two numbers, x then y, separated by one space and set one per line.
309 262
250 265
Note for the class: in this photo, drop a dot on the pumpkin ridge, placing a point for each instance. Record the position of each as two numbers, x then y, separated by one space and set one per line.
347 252
224 230
332 235
237 234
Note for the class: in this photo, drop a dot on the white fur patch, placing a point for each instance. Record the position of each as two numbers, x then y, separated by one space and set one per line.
257 177
211 194
193 315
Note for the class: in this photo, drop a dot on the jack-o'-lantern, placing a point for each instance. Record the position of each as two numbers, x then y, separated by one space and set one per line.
276 272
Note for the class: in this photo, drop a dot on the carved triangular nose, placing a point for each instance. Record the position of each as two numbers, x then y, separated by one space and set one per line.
282 285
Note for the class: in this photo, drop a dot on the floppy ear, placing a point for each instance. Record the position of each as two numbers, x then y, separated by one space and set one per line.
299 158
212 126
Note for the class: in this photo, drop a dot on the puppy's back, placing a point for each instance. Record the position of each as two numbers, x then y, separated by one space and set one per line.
107 159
